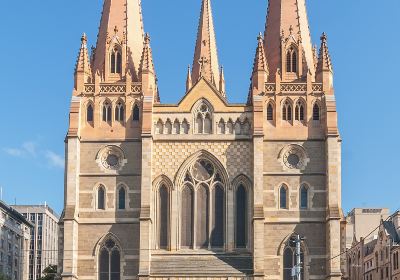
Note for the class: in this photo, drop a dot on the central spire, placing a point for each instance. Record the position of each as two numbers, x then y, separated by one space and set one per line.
205 62
121 26
287 23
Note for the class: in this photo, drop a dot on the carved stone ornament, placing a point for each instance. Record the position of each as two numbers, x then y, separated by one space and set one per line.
294 157
111 159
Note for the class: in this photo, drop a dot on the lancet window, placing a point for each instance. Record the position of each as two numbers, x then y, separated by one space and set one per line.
116 61
270 112
107 112
287 111
136 113
203 119
203 226
299 111
304 197
120 112
101 198
291 60
290 260
241 217
283 197
316 112
121 202
109 261
89 113
163 206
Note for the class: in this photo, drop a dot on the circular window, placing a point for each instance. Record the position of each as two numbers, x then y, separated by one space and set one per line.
112 160
203 170
293 159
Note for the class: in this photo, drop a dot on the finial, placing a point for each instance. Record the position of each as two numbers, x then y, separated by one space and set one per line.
147 38
259 37
324 37
84 38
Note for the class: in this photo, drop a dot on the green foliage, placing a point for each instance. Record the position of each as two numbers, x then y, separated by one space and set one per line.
50 273
4 277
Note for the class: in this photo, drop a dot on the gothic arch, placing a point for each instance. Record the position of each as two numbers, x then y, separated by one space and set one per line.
162 179
125 188
203 154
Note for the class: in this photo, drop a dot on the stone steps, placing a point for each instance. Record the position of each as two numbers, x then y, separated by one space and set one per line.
201 265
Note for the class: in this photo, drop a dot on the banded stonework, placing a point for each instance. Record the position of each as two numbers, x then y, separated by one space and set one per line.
202 189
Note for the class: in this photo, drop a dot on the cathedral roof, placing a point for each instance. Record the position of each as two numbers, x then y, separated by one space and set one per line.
287 18
121 21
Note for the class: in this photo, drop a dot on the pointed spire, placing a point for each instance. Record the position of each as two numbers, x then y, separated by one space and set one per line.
83 71
146 63
189 80
205 62
287 18
324 59
222 81
260 63
121 24
82 63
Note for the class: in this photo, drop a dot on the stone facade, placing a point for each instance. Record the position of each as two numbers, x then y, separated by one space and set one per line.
376 258
203 188
15 239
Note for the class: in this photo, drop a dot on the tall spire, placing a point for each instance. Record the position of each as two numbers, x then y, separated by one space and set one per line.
324 67
83 70
287 19
146 64
121 24
188 80
205 62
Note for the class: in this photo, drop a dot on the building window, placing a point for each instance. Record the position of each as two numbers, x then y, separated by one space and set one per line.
116 61
120 112
89 113
203 210
121 198
136 113
291 60
304 197
241 217
270 112
217 227
107 112
283 197
203 119
287 111
289 260
187 217
316 112
163 216
101 197
299 111
109 261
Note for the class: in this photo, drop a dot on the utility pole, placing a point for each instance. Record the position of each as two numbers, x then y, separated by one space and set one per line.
296 270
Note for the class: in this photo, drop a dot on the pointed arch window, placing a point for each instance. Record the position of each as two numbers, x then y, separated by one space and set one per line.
136 113
291 60
304 197
116 61
107 112
287 111
217 230
203 119
289 260
101 198
202 220
89 113
187 217
121 198
120 112
299 111
316 112
270 112
283 197
109 261
163 216
241 217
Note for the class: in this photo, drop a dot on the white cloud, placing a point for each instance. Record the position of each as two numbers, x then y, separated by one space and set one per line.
54 159
29 150
14 152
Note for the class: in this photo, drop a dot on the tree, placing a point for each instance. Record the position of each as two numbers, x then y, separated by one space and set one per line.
50 273
4 277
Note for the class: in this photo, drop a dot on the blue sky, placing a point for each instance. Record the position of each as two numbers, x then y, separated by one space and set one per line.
39 45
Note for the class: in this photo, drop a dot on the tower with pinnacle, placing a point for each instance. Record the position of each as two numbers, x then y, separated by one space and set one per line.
202 189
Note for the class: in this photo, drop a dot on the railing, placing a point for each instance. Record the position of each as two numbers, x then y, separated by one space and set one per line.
136 88
293 87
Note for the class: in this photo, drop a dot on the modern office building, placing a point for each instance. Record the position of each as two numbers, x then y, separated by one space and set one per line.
43 249
14 243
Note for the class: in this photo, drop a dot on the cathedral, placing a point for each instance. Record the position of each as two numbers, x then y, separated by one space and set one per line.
202 189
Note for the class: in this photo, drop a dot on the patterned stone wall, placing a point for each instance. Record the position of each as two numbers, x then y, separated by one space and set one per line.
235 156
